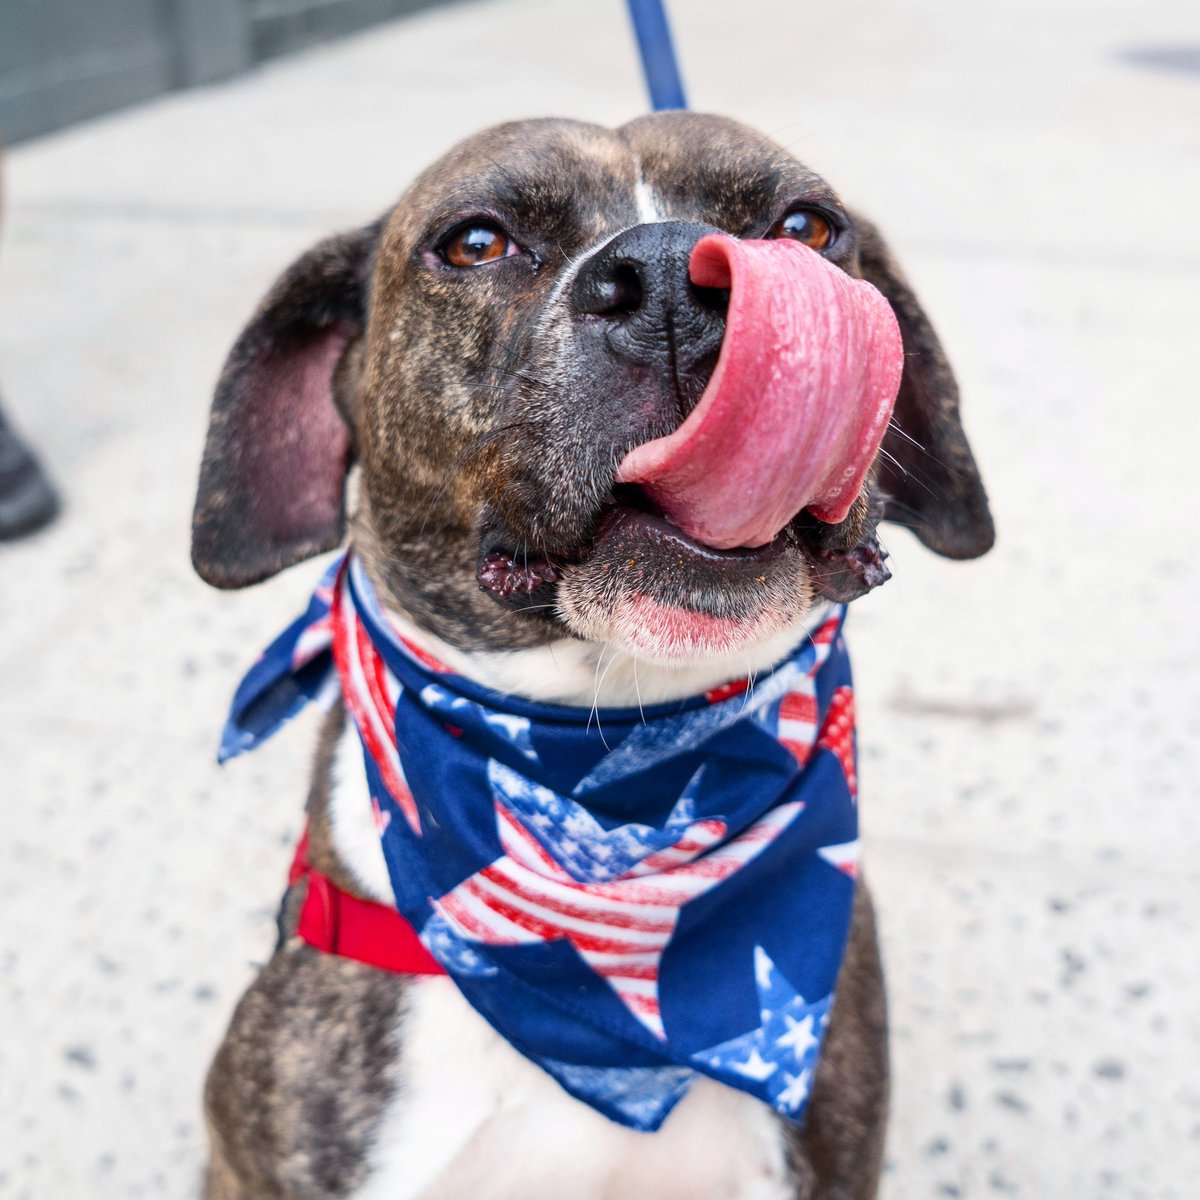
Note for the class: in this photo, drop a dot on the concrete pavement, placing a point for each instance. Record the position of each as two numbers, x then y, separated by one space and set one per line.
1029 722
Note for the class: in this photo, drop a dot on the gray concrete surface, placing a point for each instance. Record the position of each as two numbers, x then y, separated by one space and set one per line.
1029 722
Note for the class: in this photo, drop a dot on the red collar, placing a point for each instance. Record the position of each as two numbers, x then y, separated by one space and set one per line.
336 922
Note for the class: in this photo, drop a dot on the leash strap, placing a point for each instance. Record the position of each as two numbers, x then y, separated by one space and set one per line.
659 63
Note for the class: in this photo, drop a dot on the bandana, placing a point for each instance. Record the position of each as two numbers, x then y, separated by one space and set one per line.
631 897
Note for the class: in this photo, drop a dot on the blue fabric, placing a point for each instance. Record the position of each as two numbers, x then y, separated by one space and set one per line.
659 64
630 897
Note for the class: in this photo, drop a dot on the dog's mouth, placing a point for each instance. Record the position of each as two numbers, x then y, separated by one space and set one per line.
639 576
630 522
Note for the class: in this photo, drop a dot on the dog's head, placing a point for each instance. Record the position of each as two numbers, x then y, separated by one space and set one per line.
489 351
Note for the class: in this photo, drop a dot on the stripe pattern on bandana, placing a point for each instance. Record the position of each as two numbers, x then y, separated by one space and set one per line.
632 898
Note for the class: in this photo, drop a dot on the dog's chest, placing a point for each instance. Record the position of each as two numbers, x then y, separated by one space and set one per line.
472 1118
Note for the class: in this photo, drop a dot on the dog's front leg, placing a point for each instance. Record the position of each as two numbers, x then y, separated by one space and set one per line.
297 1090
838 1153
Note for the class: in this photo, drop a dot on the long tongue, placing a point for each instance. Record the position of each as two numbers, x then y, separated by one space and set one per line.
796 407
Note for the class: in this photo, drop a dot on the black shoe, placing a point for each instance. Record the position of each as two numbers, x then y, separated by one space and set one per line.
27 501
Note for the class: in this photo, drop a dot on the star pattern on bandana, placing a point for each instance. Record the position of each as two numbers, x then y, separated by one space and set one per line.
510 728
578 842
454 952
781 1053
782 706
642 1095
843 857
620 926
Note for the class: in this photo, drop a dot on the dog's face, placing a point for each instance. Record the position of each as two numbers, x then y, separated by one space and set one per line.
490 351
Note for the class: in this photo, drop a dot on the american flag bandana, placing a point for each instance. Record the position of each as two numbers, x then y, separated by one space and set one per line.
632 898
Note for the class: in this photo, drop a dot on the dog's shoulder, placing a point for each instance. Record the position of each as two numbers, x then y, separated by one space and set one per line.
307 1069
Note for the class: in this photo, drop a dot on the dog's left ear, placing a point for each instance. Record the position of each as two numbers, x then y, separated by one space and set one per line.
926 470
273 476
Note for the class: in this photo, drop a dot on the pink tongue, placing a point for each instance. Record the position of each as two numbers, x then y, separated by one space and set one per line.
798 403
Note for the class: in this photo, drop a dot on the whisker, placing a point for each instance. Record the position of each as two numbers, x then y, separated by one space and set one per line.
912 474
894 424
596 696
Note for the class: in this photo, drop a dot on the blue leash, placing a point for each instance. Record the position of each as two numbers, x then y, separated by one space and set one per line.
658 54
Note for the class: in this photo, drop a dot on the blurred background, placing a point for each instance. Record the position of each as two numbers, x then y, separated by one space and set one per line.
1029 722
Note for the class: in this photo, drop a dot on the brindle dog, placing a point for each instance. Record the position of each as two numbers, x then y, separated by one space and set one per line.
483 356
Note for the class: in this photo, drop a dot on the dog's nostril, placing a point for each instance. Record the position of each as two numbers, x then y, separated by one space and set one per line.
616 293
714 299
622 292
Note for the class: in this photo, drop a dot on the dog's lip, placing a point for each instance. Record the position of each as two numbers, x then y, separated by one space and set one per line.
631 525
643 520
840 574
518 580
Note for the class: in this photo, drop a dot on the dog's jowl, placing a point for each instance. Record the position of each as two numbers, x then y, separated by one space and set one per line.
603 424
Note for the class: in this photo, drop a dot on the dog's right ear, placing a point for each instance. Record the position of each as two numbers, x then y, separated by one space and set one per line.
273 477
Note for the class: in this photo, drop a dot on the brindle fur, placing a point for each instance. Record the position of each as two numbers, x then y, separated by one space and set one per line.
465 418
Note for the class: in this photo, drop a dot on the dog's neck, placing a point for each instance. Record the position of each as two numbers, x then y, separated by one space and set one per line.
591 674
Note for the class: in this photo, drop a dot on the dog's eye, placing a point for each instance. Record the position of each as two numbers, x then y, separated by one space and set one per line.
805 225
474 245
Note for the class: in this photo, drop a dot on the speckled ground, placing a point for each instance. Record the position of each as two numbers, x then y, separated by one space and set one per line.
1029 722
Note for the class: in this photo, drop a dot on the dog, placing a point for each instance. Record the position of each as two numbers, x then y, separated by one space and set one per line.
433 388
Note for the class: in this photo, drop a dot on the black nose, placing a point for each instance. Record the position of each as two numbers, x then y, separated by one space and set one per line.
654 315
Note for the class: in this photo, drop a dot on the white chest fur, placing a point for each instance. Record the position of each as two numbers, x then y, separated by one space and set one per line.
472 1118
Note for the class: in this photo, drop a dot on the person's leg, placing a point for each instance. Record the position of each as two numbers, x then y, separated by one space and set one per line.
27 501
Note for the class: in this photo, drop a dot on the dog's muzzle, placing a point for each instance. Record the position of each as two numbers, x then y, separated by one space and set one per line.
737 383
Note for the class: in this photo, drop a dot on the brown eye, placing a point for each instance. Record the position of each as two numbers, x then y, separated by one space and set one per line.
474 245
805 225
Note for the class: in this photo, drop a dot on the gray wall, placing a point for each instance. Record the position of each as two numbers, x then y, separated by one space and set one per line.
63 60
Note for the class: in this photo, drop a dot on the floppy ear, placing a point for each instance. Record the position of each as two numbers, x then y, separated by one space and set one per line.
272 481
926 469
